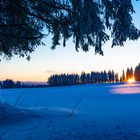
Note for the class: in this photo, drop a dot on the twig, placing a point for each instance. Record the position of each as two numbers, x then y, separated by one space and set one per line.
77 103
20 97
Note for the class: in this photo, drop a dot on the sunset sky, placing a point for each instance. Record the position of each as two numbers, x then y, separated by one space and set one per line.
45 62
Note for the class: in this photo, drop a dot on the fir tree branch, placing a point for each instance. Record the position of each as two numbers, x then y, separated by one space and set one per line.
21 37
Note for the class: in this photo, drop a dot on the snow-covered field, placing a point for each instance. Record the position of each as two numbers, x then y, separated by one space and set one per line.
102 112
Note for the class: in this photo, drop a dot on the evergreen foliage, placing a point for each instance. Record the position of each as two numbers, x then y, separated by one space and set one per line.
116 77
94 77
129 73
84 78
123 76
23 24
9 83
137 73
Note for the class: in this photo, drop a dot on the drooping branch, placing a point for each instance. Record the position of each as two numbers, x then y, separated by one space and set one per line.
22 23
13 25
46 20
57 6
21 37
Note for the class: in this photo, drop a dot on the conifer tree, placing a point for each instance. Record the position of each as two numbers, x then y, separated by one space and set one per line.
137 73
123 76
116 77
131 72
105 76
128 73
24 23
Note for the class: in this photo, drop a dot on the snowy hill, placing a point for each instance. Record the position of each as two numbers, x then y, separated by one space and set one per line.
101 111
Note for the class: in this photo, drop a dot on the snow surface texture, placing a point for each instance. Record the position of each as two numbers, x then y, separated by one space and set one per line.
101 112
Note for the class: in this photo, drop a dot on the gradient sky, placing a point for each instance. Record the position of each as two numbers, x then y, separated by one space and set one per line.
45 62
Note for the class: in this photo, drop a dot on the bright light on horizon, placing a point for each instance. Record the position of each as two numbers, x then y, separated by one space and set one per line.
131 80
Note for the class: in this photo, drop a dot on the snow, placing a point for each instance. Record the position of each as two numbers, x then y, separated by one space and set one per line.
103 111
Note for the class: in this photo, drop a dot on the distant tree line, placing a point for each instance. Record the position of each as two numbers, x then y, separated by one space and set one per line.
75 79
84 78
94 77
9 83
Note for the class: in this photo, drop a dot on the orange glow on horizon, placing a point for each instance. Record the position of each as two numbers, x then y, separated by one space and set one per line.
131 80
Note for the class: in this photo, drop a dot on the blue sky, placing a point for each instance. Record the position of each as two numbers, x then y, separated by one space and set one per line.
45 62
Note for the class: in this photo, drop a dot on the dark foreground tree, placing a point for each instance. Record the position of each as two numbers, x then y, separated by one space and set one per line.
23 24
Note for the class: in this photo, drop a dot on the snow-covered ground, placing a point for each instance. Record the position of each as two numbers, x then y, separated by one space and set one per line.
103 112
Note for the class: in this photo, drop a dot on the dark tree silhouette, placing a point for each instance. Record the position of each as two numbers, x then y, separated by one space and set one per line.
137 73
63 79
23 24
8 83
84 78
129 73
111 77
122 77
116 77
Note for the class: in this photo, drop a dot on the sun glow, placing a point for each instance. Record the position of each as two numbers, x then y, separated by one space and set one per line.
131 80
